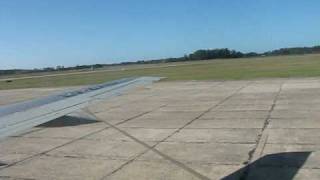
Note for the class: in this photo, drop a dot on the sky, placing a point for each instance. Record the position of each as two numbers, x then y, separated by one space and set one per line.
48 33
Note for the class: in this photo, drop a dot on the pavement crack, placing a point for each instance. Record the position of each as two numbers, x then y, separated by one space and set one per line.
165 156
261 138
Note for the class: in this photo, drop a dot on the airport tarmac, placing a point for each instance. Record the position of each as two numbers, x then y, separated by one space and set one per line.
255 129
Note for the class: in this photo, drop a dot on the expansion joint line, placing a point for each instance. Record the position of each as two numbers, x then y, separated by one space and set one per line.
208 110
74 140
153 147
262 138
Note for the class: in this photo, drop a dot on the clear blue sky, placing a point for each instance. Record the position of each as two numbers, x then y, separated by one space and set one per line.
41 33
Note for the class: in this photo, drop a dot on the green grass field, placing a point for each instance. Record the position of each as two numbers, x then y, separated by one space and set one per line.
227 69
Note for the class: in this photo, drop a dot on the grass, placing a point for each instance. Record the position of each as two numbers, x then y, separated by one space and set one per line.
234 69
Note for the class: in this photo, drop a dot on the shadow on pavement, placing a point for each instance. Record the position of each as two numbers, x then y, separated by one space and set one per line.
68 121
280 166
2 164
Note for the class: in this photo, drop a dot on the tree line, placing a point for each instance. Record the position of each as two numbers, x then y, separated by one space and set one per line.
202 54
225 53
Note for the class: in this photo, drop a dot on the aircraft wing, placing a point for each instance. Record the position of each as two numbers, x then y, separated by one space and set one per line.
19 117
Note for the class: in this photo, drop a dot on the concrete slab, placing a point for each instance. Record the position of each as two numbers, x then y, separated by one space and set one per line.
235 115
172 115
216 135
118 116
162 119
46 167
16 149
261 88
216 153
189 142
254 96
184 102
22 145
244 101
155 123
301 85
296 114
274 148
186 108
145 170
244 107
139 106
103 149
11 158
297 106
294 136
227 123
143 134
309 123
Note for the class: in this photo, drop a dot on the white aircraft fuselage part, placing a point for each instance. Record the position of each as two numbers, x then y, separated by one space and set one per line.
20 117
